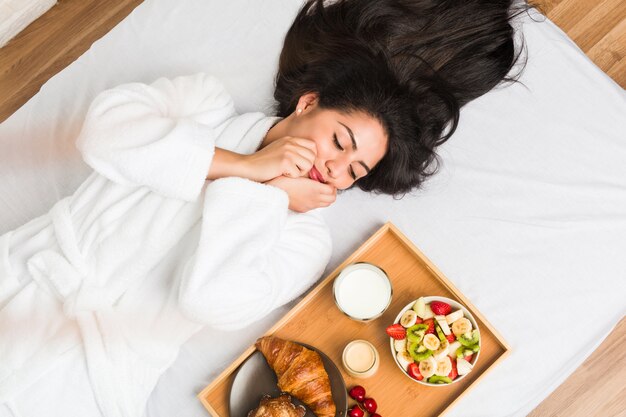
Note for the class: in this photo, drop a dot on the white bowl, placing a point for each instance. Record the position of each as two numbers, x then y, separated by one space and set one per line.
455 306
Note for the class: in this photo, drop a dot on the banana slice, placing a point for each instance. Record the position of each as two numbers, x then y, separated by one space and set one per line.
442 350
454 316
461 326
428 367
444 366
399 345
431 342
408 319
404 359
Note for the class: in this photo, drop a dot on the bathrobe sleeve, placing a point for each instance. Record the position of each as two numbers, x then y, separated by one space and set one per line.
254 255
159 135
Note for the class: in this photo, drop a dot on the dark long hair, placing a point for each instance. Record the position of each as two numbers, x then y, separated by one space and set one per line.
412 64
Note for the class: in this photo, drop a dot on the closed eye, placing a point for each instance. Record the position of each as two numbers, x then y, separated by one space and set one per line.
352 174
336 141
338 146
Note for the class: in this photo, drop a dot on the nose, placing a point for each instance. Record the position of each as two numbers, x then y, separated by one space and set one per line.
337 166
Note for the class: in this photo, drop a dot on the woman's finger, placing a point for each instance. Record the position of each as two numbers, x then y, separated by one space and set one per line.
305 143
294 163
306 153
302 164
292 171
292 149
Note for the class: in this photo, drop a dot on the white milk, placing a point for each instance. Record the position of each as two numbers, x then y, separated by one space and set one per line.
362 291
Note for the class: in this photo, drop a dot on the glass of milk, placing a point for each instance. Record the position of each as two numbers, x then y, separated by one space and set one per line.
362 291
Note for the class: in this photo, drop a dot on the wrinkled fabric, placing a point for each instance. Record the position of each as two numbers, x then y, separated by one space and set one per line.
81 282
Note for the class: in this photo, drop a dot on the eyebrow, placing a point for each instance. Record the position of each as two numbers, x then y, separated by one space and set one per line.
354 147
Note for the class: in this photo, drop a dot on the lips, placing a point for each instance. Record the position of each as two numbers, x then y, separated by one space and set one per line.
314 174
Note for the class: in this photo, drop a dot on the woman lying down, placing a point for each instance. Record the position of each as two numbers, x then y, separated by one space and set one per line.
197 216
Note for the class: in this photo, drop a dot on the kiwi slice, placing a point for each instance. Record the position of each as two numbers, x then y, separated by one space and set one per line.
436 379
462 352
465 351
418 352
470 340
440 333
416 333
420 356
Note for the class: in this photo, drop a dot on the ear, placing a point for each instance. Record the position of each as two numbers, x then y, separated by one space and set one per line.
307 102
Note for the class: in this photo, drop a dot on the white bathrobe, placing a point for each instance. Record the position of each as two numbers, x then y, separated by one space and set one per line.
146 251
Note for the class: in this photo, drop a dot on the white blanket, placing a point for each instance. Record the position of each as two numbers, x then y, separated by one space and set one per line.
526 216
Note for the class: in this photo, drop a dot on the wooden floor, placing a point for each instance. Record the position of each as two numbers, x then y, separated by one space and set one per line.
51 43
598 387
598 27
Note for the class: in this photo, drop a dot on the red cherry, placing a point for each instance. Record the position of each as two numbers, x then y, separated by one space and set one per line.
357 392
370 405
375 415
356 411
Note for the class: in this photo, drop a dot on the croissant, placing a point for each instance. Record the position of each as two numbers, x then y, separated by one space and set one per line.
280 406
300 372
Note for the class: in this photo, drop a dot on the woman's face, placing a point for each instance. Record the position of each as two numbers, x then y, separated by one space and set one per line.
349 145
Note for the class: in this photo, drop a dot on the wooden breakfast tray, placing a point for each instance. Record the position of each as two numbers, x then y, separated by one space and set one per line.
318 322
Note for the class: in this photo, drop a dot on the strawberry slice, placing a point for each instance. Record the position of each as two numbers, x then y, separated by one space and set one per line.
454 372
451 337
414 371
469 358
440 308
431 326
396 331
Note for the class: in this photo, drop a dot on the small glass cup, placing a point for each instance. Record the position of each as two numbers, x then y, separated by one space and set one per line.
362 291
360 359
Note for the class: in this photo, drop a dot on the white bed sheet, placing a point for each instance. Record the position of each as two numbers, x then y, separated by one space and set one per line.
527 215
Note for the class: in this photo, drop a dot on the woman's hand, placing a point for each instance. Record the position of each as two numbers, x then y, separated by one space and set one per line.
305 194
287 156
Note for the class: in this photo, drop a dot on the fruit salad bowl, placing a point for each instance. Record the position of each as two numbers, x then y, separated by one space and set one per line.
435 341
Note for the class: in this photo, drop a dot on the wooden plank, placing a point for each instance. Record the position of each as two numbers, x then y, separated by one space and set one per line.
597 27
568 13
607 17
51 43
609 50
547 6
597 388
